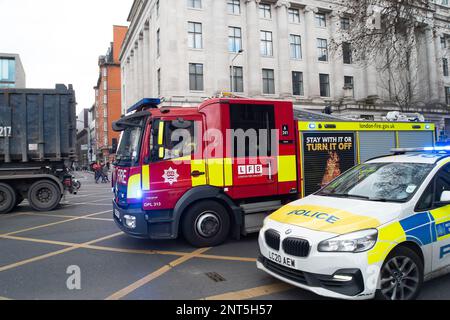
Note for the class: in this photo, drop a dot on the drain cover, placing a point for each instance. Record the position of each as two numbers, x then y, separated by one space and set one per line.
214 276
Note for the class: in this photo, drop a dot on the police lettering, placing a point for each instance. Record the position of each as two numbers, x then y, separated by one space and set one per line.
316 215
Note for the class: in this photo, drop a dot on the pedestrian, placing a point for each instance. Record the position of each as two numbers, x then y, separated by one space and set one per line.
104 173
97 170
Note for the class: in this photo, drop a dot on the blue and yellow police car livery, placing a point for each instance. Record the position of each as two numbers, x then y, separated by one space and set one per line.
381 229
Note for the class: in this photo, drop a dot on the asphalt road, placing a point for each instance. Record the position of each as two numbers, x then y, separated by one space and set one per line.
42 254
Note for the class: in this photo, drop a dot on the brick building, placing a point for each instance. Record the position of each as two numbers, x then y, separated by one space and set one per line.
108 97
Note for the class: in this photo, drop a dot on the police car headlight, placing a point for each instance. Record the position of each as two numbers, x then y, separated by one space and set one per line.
355 242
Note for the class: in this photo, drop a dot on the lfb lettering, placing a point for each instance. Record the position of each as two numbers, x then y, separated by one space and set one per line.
74 281
445 251
316 215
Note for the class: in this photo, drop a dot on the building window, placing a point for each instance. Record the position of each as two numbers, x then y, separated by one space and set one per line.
159 82
265 11
447 95
445 66
349 84
195 35
294 15
105 85
345 23
105 112
324 85
322 49
237 79
196 4
444 2
196 77
8 70
105 72
443 43
158 42
268 76
296 46
297 83
105 99
347 53
266 43
234 39
321 20
234 6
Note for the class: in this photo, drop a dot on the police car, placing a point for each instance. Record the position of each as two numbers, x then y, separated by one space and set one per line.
379 230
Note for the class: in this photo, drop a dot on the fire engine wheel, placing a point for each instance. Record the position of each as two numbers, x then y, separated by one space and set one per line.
206 224
7 198
44 196
401 276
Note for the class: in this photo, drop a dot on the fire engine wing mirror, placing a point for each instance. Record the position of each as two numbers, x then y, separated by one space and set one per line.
445 197
117 127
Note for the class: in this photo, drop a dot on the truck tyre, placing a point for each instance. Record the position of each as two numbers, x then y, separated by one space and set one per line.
401 276
44 195
206 224
7 198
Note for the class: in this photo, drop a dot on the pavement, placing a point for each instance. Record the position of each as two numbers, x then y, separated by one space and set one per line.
77 253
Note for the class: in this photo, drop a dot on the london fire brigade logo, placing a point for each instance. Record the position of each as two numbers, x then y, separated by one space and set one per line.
171 176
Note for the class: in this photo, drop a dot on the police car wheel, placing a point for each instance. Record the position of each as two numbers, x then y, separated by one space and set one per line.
7 198
401 276
206 224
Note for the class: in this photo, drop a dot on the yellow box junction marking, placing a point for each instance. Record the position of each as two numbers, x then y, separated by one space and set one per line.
252 293
138 284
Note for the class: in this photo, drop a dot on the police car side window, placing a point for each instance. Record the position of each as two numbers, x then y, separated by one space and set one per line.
442 183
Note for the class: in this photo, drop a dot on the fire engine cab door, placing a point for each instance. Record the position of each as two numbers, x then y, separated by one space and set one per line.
173 144
254 150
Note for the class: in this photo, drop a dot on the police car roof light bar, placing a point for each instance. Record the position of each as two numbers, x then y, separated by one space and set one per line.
442 149
147 103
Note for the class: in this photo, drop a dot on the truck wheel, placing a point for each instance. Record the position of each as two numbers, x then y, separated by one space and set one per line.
7 198
44 196
401 276
206 224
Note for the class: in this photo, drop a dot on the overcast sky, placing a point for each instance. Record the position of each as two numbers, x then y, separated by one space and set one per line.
59 41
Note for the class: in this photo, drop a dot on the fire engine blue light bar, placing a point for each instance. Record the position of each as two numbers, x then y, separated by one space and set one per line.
147 102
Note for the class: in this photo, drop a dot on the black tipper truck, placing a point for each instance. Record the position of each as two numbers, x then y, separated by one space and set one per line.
37 146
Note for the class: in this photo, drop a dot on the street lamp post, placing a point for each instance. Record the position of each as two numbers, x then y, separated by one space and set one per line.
232 69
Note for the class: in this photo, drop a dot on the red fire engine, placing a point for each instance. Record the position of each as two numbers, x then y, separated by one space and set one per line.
220 168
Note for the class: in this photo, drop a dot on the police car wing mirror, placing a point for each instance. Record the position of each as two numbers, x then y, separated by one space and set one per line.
445 197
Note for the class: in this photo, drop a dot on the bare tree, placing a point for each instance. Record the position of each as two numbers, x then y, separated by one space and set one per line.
382 28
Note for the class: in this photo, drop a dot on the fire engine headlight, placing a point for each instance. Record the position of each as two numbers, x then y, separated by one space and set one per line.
355 242
130 221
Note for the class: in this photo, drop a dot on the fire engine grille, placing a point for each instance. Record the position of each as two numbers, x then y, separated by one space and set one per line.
296 247
273 239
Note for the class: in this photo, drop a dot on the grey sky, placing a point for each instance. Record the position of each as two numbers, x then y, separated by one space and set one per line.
59 41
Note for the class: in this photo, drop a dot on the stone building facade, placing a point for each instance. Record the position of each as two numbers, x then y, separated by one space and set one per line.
188 50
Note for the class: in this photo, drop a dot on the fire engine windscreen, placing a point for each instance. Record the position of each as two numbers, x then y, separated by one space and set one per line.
130 142
385 182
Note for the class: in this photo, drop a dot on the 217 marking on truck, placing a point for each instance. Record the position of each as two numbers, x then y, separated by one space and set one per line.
5 132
